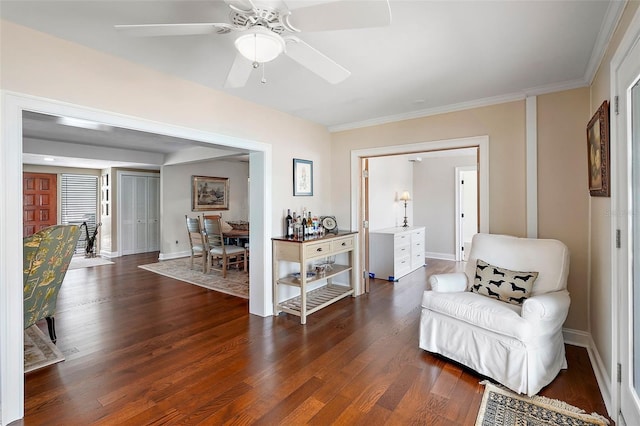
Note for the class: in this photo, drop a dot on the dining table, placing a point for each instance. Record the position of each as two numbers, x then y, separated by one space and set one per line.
237 234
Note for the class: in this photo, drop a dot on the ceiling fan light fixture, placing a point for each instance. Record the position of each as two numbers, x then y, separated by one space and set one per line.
259 44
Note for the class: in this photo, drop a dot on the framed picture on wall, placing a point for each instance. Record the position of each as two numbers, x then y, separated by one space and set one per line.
302 177
209 193
598 152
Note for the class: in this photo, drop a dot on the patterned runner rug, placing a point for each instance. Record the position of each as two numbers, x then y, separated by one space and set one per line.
236 283
501 407
39 351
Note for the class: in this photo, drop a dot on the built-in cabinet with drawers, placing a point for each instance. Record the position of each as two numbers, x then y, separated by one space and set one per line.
309 253
395 252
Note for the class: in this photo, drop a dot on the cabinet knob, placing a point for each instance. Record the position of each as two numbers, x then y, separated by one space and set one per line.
319 249
344 244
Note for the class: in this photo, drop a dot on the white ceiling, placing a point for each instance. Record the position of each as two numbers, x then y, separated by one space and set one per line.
435 56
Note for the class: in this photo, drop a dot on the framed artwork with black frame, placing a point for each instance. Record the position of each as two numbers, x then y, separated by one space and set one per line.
302 177
209 193
598 152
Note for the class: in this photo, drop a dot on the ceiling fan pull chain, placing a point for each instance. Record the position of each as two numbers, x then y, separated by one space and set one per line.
264 79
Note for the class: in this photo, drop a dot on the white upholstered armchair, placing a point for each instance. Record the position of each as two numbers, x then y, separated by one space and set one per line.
516 340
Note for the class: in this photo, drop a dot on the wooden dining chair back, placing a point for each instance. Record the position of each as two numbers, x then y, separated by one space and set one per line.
196 241
219 253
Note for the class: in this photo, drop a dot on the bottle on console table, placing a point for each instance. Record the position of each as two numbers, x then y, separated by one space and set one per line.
288 224
305 230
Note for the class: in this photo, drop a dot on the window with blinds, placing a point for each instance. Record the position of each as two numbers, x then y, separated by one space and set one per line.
79 203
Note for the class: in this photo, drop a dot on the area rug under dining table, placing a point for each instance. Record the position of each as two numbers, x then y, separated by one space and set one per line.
236 283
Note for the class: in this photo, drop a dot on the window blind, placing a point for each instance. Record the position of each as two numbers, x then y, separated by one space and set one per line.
79 201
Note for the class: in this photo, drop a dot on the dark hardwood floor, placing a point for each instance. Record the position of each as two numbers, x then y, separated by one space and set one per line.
144 349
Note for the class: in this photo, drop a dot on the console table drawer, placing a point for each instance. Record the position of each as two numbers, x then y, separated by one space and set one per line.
342 244
318 249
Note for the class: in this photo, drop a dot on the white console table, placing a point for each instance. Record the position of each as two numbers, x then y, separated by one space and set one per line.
395 252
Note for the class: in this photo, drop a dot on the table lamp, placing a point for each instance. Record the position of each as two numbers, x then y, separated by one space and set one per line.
405 197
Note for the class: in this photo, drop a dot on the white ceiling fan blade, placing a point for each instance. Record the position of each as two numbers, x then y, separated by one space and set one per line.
239 72
315 61
341 15
155 30
241 5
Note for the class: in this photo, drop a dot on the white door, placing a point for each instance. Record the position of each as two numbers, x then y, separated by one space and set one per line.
139 214
467 209
127 215
628 256
153 214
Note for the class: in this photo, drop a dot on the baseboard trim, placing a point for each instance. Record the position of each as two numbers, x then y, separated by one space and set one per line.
441 256
169 256
109 254
603 379
577 337
585 340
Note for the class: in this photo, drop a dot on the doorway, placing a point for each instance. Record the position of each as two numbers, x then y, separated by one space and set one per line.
11 296
361 189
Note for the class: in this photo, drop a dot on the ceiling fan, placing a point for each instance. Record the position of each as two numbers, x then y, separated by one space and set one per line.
266 30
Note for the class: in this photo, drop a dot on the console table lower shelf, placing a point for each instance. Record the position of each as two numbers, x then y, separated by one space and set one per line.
316 299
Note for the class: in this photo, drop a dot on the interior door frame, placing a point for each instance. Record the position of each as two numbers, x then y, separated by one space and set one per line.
11 296
357 195
620 257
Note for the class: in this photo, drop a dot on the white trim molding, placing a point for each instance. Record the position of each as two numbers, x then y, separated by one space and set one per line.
176 255
441 256
532 166
585 340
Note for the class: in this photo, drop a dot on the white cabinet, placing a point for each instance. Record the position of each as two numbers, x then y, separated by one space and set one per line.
395 252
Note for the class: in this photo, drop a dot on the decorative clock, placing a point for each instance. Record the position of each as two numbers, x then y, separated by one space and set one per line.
329 223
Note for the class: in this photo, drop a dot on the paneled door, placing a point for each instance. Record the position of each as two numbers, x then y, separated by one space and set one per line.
39 201
139 216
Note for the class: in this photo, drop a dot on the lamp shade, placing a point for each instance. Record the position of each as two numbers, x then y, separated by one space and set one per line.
258 44
405 196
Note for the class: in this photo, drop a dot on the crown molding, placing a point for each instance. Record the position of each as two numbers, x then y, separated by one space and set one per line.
608 27
478 103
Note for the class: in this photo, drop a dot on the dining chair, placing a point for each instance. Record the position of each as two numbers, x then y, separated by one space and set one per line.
194 230
217 250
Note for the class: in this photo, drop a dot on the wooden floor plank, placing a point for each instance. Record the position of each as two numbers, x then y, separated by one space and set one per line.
145 349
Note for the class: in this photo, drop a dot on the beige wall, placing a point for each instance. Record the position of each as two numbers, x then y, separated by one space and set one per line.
41 65
563 196
600 321
503 123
